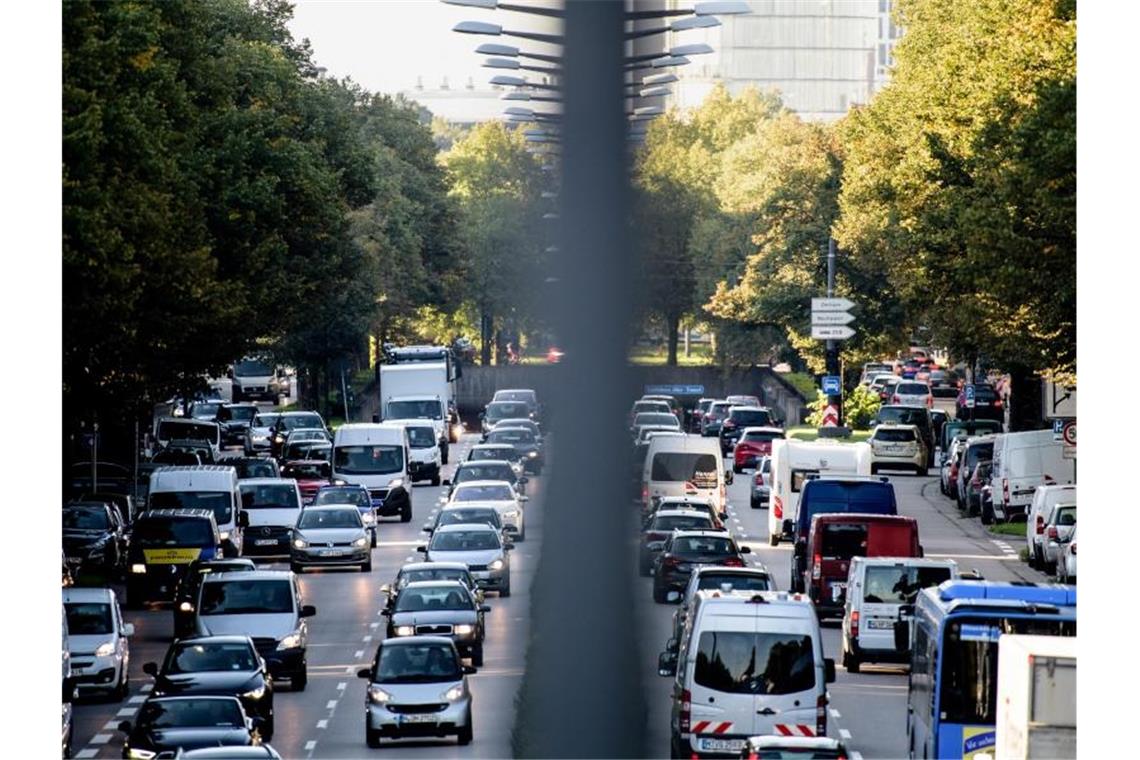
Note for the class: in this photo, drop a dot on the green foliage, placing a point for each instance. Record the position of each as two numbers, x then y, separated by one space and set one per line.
805 384
859 408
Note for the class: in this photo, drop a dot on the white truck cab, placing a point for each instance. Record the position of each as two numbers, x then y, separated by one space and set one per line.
793 462
378 457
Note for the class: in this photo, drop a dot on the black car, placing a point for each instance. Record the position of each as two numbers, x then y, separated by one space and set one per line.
740 417
683 551
123 503
255 467
217 666
234 420
919 416
186 595
440 608
487 469
658 527
93 537
202 449
987 404
501 410
170 723
524 441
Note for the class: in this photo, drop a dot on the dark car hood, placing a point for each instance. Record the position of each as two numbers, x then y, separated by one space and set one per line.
80 534
219 682
193 738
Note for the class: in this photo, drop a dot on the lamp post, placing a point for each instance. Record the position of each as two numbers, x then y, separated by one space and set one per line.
495 30
513 65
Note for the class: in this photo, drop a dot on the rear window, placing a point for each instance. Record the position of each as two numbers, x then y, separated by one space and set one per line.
269 496
844 541
678 467
721 408
894 436
756 417
763 437
912 389
903 416
979 452
755 663
655 418
702 545
984 393
900 585
678 522
737 581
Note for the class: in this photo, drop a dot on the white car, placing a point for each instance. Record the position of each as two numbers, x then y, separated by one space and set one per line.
1067 565
1059 527
1044 499
97 641
501 495
911 393
897 447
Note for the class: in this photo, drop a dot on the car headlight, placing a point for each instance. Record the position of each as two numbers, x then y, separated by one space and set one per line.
511 514
405 630
532 454
259 438
257 693
378 695
225 535
464 628
361 542
396 483
367 517
280 439
496 565
292 641
454 693
138 568
186 607
105 649
140 754
300 543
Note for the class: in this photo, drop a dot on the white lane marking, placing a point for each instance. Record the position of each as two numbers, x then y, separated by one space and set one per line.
136 700
856 756
146 687
310 745
126 712
397 543
408 559
358 654
100 739
342 686
111 725
994 557
331 704
85 754
845 733
834 713
367 639
348 670
373 625
322 724
744 535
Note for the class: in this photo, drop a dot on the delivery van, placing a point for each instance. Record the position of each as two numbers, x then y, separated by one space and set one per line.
378 457
684 466
211 487
1023 461
794 462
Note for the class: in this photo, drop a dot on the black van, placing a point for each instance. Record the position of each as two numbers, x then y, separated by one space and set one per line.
163 544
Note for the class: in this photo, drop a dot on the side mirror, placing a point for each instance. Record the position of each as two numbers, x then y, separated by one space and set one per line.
243 519
524 498
746 550
308 610
971 575
150 668
128 629
426 529
828 670
125 726
386 588
421 549
671 645
655 546
921 551
484 608
385 611
673 597
722 515
364 673
667 664
482 415
445 482
470 670
479 595
728 475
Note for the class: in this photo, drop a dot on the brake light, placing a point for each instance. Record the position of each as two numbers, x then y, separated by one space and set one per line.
777 507
1040 524
1005 490
816 565
671 561
759 478
645 493
729 425
997 403
821 715
855 624
1052 533
954 471
1073 548
930 401
733 562
686 710
895 399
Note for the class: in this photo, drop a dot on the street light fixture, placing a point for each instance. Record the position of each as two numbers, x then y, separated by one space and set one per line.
656 79
530 96
495 30
512 64
697 48
713 8
493 4
506 80
655 92
509 51
660 63
680 25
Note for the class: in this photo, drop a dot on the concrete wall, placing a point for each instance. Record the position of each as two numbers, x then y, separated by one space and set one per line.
479 384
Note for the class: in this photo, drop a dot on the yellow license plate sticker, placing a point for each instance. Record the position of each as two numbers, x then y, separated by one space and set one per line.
170 556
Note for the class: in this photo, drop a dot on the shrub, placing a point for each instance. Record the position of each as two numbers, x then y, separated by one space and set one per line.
859 407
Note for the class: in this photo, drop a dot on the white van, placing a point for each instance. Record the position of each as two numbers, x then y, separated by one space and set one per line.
748 663
426 458
273 506
1044 497
378 457
1023 461
793 462
203 486
169 429
877 588
684 466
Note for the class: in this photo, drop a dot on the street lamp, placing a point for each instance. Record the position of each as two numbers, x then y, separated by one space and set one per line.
530 96
505 80
510 63
655 92
677 51
713 8
510 51
495 30
493 4
680 25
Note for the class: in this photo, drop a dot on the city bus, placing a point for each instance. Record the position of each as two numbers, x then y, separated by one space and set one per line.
952 687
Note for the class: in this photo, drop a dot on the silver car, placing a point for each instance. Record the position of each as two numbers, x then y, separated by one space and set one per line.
417 687
440 608
258 433
331 536
97 641
480 547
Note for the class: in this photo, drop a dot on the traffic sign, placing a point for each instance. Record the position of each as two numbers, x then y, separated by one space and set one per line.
970 400
831 304
1069 433
832 385
832 318
831 332
1058 427
674 390
830 416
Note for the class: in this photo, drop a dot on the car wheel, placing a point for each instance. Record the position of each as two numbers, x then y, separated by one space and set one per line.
373 539
477 656
467 732
406 514
435 478
505 591
851 662
1035 558
675 752
367 566
371 738
659 593
773 540
124 686
737 469
300 680
267 728
443 454
987 514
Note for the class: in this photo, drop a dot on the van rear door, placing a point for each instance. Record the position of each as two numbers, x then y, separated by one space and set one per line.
786 671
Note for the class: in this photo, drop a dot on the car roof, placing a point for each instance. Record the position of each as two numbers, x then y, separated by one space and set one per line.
330 507
440 582
298 413
338 486
762 429
435 566
474 462
747 408
409 640
266 481
485 446
728 569
155 514
794 742
473 483
465 527
703 500
228 638
700 534
678 513
896 426
89 595
249 575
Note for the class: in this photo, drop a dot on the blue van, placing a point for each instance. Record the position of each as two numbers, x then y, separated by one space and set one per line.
836 495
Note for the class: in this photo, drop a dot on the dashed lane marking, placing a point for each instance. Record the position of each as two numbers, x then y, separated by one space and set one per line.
358 654
367 639
86 754
994 557
348 670
331 704
146 687
322 724
111 725
856 756
835 713
373 625
310 745
100 739
342 686
397 543
136 699
845 733
126 712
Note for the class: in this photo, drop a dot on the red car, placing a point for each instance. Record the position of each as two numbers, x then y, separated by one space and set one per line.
310 474
755 442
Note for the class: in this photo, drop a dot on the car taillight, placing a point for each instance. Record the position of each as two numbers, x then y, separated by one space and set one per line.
930 401
645 493
1073 548
855 624
1040 524
777 507
816 564
759 480
1052 533
1005 490
729 425
733 562
671 561
895 399
954 471
686 710
997 403
821 715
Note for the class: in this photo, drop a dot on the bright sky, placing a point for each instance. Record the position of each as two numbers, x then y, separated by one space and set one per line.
385 44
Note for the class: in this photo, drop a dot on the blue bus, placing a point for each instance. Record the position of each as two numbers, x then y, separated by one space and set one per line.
952 687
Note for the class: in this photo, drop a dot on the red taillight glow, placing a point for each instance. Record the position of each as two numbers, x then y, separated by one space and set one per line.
855 624
821 715
777 507
759 479
997 403
645 493
816 567
1040 525
1052 533
733 562
671 561
686 710
895 399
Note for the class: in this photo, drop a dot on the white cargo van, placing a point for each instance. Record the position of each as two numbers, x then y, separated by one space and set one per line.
1023 461
167 429
748 663
877 588
684 466
793 462
419 390
1044 497
205 486
378 457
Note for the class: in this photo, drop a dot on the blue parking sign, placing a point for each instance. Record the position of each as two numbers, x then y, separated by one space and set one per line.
970 400
832 385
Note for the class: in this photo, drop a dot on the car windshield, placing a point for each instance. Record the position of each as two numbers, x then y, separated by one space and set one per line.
246 597
893 436
903 416
655 418
484 472
900 584
501 410
355 496
299 421
205 410
213 656
377 459
484 493
321 452
640 407
463 516
417 663
979 452
239 413
755 663
89 619
432 574
465 541
252 368
194 712
255 468
172 531
86 518
680 522
424 599
737 581
306 470
264 420
513 435
269 496
421 437
678 467
502 453
702 545
329 518
426 409
720 408
219 502
194 431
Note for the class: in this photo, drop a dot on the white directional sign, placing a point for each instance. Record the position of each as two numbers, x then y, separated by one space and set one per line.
832 318
831 332
831 304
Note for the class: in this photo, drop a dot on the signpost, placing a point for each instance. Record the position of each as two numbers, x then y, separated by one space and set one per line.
825 332
832 385
971 401
1069 439
829 320
674 390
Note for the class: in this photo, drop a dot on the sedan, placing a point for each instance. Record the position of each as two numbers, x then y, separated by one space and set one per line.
500 494
217 666
501 452
754 444
440 608
465 514
93 537
685 550
431 571
525 442
166 724
912 394
480 547
333 536
309 474
259 433
486 470
660 526
358 496
97 641
761 484
186 593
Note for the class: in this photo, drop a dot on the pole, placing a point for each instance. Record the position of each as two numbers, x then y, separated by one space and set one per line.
135 475
94 457
832 348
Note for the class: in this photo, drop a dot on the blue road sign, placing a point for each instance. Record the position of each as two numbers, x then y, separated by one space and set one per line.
970 400
674 390
832 385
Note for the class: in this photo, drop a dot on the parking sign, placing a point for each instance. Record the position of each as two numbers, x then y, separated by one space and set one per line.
832 385
970 400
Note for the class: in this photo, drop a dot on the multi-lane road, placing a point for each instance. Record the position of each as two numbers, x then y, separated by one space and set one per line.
868 710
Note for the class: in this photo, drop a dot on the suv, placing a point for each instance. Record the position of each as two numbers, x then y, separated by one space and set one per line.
710 423
93 537
739 418
897 447
266 606
910 415
186 595
987 404
686 549
164 542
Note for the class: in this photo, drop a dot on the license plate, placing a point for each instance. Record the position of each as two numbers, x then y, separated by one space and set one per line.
418 718
265 542
721 745
837 590
334 553
880 624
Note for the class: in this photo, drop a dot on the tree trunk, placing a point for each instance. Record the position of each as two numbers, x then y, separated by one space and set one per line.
672 324
485 338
